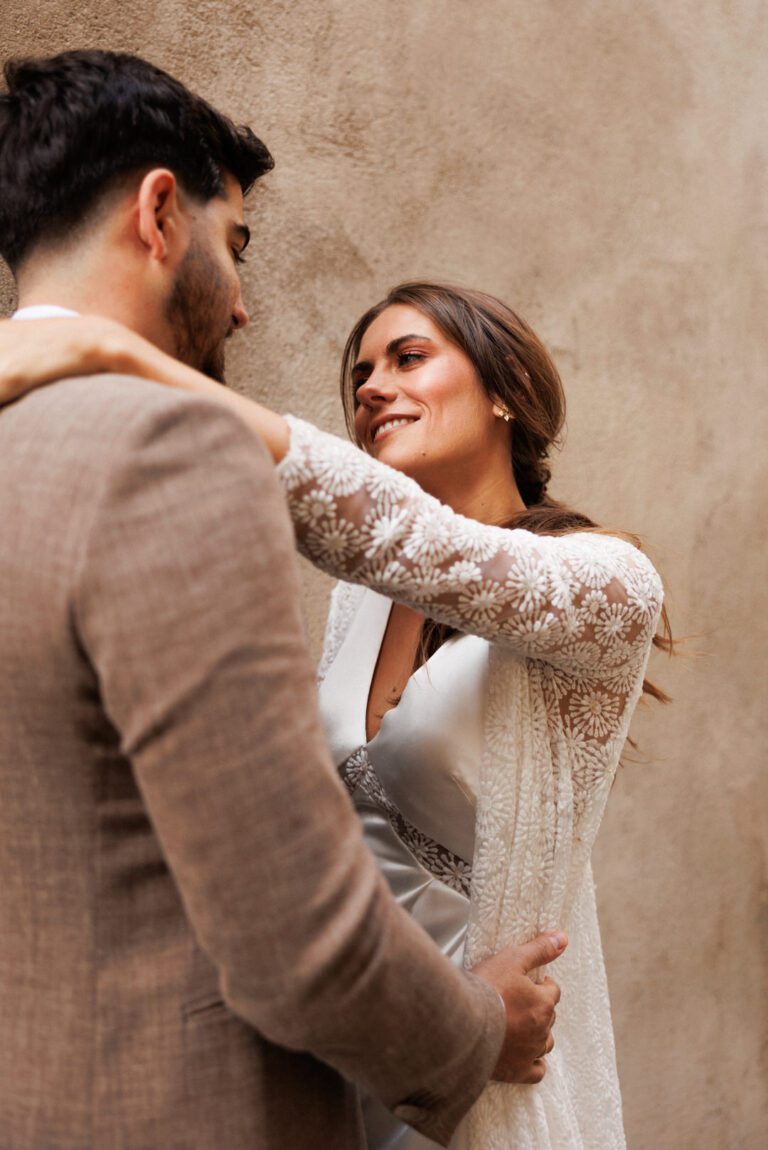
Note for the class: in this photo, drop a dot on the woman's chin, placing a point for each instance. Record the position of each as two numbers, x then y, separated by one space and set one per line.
414 465
394 455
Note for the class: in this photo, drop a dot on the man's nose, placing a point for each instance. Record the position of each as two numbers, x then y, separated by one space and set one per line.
239 314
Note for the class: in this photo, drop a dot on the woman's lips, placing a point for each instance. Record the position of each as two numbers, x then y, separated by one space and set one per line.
389 426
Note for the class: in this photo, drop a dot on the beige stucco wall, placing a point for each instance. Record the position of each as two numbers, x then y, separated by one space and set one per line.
601 165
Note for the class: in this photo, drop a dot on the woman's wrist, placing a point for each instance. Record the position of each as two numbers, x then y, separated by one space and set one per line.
126 353
110 347
115 349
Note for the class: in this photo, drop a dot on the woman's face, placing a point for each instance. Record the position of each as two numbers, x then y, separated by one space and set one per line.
421 408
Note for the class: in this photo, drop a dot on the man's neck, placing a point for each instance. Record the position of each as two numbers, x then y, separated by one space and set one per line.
83 300
89 288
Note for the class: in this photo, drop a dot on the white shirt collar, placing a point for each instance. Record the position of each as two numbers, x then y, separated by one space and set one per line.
42 311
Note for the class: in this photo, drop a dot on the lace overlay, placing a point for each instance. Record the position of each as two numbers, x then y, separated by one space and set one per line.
571 621
358 772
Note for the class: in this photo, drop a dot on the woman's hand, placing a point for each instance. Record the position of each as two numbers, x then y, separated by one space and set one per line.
36 352
40 351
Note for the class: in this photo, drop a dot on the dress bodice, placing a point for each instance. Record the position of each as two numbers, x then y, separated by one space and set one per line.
426 754
414 785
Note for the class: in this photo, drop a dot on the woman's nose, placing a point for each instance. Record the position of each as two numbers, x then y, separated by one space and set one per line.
378 387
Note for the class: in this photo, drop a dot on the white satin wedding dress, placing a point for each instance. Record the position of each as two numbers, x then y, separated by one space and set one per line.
414 786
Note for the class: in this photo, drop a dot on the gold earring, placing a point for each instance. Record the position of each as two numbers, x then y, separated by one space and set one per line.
502 413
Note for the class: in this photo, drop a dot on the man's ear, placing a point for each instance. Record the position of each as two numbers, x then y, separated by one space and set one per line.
162 226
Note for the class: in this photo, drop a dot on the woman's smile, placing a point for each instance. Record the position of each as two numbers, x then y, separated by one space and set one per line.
383 428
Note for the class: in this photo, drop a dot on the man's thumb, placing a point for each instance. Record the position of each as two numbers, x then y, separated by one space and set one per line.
542 949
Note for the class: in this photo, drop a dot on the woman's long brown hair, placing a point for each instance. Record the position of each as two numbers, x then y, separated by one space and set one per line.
516 372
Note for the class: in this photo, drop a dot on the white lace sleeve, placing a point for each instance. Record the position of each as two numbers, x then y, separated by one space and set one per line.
585 603
345 599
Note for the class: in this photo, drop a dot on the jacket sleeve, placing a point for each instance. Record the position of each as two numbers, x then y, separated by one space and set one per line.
187 604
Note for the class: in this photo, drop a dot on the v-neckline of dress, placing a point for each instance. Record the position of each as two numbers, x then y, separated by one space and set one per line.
383 622
370 678
366 633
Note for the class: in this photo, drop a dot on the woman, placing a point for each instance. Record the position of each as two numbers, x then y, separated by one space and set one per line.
479 746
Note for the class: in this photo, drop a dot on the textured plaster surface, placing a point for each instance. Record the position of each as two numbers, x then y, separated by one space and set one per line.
600 165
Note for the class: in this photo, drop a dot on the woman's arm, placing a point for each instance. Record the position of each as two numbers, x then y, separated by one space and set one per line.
42 351
585 603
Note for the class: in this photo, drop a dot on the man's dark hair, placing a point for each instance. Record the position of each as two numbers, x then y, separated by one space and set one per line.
71 125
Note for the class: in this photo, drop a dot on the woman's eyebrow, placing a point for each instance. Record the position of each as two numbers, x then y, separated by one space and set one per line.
391 348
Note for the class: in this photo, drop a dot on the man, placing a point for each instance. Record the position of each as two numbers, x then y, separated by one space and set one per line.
196 949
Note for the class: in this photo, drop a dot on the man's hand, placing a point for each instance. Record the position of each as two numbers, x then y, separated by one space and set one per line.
530 1005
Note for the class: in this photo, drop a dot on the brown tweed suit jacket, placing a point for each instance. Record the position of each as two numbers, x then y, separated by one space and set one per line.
196 949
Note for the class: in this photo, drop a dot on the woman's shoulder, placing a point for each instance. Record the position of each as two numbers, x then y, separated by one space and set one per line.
598 560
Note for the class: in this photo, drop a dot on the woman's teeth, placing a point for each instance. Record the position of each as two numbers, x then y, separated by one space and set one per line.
389 425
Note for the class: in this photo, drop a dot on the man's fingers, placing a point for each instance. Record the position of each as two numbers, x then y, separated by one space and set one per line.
530 1005
536 1073
549 1046
550 985
542 949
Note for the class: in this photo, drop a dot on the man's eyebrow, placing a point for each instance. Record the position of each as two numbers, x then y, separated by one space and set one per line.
243 233
393 346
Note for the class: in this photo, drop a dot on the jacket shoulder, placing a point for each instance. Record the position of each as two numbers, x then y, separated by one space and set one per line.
121 396
96 416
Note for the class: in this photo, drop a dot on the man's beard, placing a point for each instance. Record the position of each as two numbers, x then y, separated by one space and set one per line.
198 313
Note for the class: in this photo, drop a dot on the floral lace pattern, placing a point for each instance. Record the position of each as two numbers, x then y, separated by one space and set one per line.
585 606
570 620
359 773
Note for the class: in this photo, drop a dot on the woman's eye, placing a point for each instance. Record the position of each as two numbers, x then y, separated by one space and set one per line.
239 258
405 358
